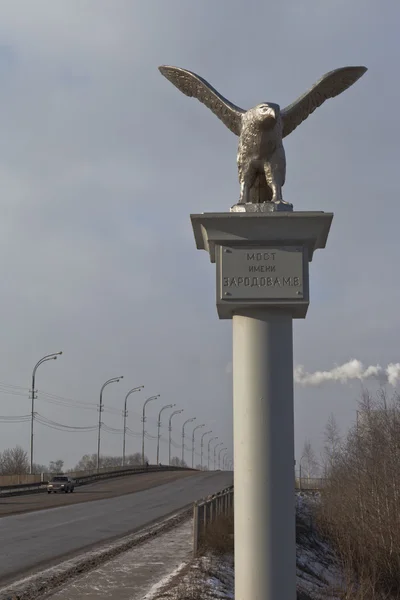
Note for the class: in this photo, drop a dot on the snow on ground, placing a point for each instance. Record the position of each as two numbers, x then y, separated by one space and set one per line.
132 574
207 578
318 573
162 568
211 578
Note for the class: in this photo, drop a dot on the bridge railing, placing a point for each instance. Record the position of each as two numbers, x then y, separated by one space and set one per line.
309 483
207 510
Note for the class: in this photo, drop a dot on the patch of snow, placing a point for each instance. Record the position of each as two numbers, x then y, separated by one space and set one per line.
213 577
139 571
152 594
318 573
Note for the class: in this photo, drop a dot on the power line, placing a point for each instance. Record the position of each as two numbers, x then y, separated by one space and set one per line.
16 387
14 419
46 422
50 398
72 428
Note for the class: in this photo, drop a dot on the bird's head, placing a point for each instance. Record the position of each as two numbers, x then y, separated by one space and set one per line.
267 113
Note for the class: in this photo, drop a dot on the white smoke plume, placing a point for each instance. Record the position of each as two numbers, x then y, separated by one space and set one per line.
354 369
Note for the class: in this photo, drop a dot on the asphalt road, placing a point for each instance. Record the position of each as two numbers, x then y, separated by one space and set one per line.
106 488
35 540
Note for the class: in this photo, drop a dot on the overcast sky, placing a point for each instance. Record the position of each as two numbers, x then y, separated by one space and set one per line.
102 161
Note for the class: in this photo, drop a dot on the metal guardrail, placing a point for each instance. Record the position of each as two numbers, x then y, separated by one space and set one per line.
207 510
309 483
30 488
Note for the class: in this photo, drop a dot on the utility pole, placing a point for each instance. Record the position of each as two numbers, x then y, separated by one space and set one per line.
144 420
136 389
33 397
112 380
201 446
183 438
176 412
158 429
193 441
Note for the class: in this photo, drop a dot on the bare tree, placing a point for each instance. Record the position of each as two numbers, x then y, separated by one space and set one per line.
38 468
309 460
88 462
110 462
360 506
332 445
135 459
14 461
56 466
178 462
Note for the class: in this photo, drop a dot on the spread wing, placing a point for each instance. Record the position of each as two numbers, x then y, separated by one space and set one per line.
330 85
195 86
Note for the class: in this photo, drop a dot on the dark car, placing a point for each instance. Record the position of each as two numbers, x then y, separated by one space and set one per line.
61 483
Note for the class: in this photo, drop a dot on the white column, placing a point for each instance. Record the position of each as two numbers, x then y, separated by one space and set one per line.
265 548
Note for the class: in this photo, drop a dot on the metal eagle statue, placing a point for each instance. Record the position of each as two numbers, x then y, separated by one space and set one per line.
261 156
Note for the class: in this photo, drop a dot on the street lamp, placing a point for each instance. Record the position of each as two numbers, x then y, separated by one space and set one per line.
215 447
158 430
42 360
201 445
198 427
112 380
219 457
209 442
183 438
136 389
144 420
176 412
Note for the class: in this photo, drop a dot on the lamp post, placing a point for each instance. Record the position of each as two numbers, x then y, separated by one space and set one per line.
158 428
136 389
219 457
42 360
112 380
144 420
215 448
201 446
183 438
209 442
176 412
193 441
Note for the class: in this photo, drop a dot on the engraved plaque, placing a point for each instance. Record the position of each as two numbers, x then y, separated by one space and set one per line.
261 274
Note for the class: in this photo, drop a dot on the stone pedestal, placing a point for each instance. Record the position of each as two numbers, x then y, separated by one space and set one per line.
262 267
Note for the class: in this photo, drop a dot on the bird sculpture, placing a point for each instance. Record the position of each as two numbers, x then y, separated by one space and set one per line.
261 156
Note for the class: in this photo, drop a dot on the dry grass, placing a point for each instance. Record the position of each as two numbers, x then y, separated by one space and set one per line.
210 578
218 539
360 506
210 575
